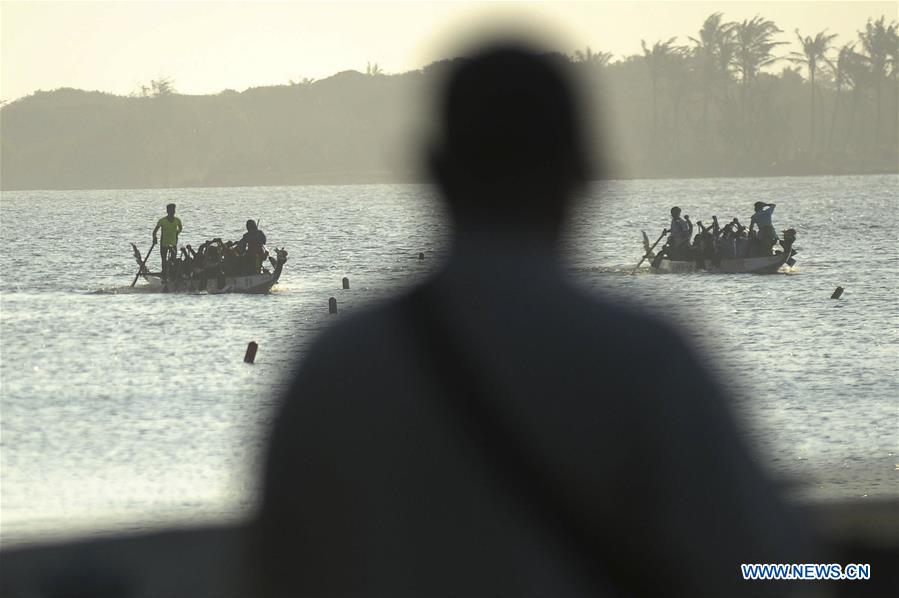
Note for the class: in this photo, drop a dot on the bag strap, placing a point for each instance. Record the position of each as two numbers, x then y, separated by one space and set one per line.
506 451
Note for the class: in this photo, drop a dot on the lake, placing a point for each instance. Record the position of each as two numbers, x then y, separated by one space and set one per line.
122 409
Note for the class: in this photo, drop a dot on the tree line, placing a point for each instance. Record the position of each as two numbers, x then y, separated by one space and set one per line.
728 101
716 104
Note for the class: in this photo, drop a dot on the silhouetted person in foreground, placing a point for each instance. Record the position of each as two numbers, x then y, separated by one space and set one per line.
497 431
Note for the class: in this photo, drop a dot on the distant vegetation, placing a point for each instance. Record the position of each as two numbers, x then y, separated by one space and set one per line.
729 101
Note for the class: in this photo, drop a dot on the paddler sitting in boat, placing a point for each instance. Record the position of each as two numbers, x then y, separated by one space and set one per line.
767 236
678 245
727 240
252 244
705 247
171 228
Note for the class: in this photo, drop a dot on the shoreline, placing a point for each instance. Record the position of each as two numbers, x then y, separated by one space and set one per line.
362 180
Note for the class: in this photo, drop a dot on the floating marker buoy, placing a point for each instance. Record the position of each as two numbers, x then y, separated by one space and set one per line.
250 355
346 282
837 292
421 256
332 305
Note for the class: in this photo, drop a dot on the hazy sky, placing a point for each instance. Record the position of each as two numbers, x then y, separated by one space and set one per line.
209 46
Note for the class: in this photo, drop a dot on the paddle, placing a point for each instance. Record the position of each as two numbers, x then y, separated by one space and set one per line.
143 264
664 232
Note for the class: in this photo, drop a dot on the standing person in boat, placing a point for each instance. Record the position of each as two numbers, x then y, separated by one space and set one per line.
681 229
767 236
170 225
252 245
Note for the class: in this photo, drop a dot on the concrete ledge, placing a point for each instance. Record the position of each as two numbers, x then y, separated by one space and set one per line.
185 562
215 561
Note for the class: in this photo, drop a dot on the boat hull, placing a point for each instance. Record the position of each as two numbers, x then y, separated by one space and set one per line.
212 281
252 284
750 265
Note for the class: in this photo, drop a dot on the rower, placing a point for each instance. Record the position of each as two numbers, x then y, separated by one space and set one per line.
252 244
681 230
704 246
741 243
762 218
171 228
727 239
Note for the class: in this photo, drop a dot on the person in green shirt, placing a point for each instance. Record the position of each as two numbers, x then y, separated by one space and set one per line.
171 228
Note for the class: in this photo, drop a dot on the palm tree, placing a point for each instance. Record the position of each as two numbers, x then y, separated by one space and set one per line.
814 52
754 40
879 42
753 46
164 86
373 69
679 88
588 56
659 58
841 78
859 74
712 50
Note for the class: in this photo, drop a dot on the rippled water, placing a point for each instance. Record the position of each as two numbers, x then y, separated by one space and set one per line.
121 407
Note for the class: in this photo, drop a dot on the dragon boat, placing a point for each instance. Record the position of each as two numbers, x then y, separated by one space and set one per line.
764 264
215 279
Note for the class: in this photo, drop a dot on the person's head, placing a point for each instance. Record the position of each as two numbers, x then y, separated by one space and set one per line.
509 154
758 205
251 225
675 212
170 209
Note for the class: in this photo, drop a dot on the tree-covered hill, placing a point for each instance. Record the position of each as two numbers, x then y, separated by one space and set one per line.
726 103
346 128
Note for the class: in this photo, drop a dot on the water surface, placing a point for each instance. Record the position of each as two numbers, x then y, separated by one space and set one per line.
123 409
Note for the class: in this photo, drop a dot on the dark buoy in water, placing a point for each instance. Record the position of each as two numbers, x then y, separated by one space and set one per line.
421 256
332 305
346 282
250 355
837 293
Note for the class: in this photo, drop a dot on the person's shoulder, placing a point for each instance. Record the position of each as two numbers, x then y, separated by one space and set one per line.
366 328
626 324
368 343
573 312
